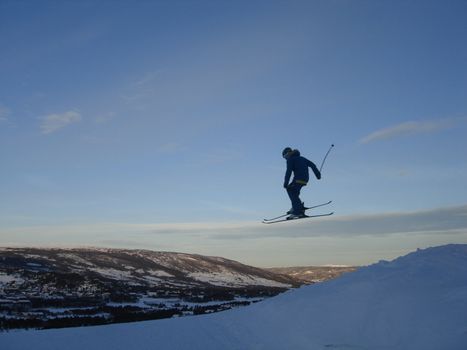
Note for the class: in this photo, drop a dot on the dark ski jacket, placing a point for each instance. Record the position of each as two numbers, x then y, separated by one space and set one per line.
298 165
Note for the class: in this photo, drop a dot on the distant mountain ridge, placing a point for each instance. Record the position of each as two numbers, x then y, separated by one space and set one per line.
138 267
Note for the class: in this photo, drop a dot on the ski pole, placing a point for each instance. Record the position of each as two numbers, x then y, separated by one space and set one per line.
322 163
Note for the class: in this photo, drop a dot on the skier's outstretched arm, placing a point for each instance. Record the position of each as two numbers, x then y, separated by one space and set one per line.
315 169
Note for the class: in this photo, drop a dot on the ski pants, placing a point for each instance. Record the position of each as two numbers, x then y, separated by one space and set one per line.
293 190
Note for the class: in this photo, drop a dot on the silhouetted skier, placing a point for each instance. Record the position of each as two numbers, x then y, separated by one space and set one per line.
297 165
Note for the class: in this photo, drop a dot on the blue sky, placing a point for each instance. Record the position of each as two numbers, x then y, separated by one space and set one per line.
160 125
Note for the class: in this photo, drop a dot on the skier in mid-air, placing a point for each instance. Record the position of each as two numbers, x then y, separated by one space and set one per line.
297 165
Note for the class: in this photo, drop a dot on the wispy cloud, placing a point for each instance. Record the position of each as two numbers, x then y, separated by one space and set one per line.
54 122
410 128
451 220
143 90
355 239
439 221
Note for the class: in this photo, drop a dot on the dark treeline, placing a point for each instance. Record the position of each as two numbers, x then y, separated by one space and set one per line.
89 317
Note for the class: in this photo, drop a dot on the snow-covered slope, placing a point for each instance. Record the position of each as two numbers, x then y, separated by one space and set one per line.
136 267
418 301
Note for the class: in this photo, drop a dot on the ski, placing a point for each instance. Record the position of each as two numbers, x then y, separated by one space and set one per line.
299 218
306 208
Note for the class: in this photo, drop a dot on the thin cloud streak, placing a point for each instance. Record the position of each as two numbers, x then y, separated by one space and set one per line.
409 128
452 220
437 221
54 122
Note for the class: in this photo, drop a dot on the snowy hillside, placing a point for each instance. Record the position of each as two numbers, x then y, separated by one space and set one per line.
55 288
138 267
416 302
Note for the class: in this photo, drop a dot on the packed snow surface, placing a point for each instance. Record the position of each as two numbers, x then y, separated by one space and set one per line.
416 302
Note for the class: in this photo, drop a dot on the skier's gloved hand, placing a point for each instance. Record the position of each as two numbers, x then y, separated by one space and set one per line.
286 185
318 176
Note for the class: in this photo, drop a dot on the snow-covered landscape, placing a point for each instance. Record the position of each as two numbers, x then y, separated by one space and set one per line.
42 288
415 302
233 175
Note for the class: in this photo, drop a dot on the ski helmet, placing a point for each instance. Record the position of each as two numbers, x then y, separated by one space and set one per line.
286 151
